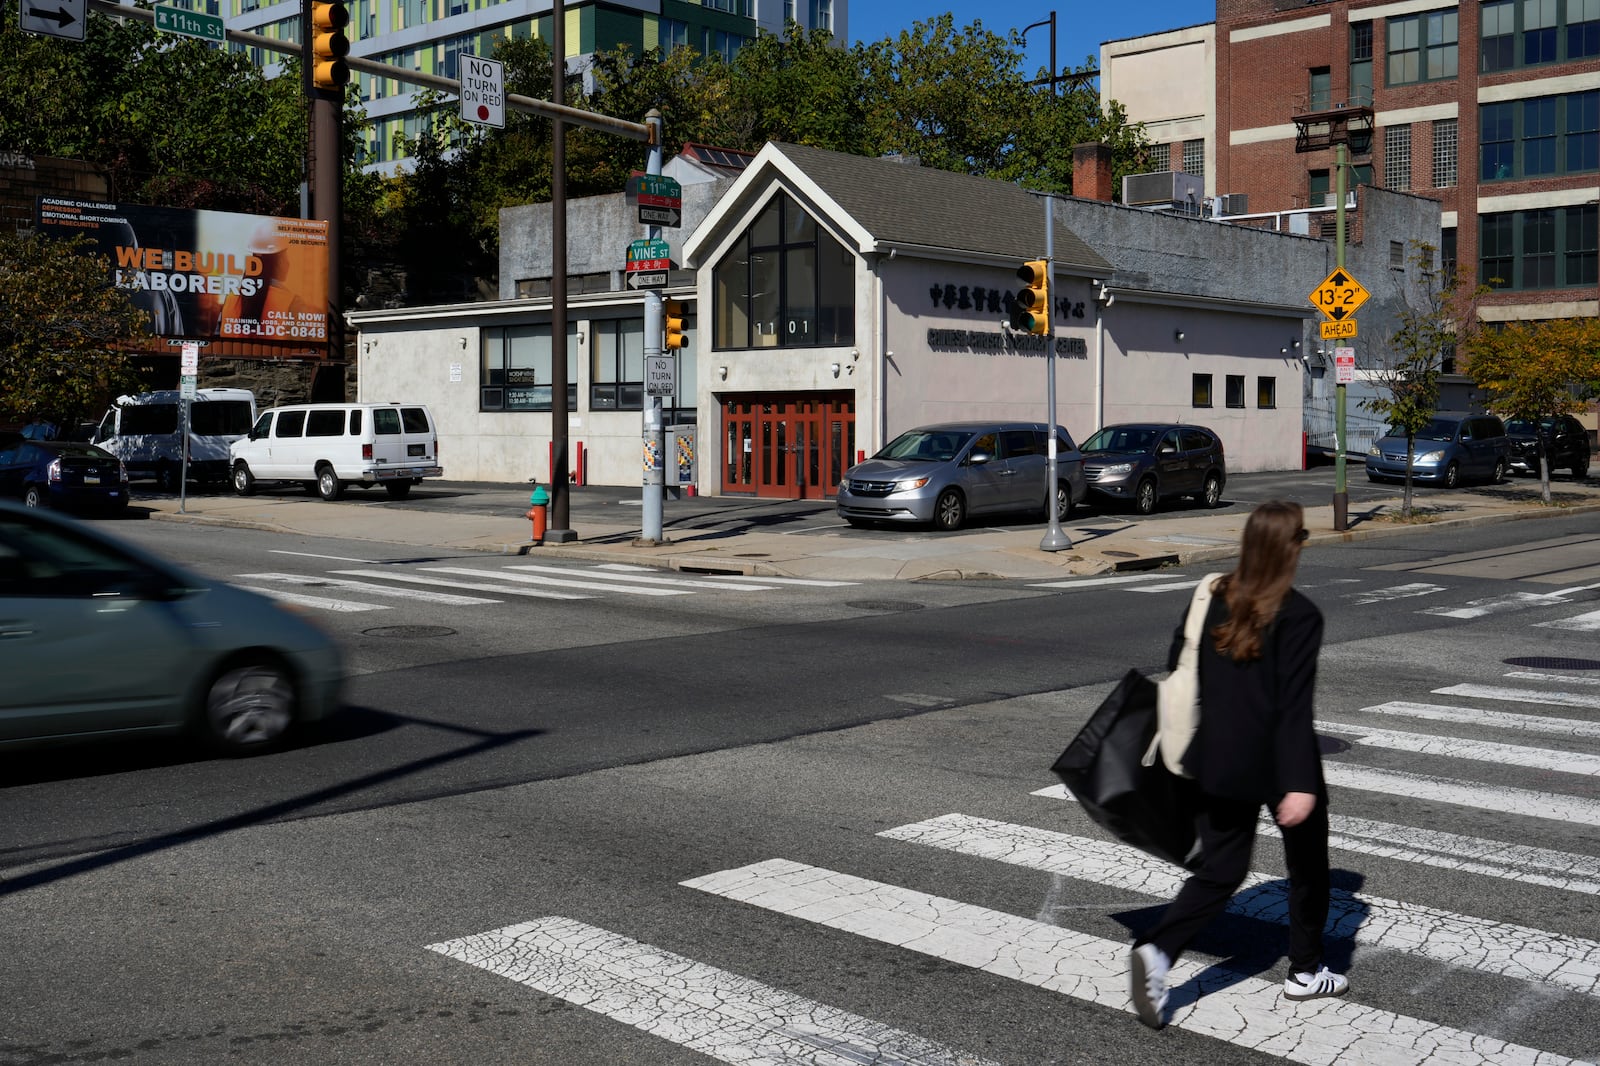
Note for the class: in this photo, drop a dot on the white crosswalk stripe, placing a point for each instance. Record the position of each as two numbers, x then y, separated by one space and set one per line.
318 603
1583 623
733 1018
1395 592
370 587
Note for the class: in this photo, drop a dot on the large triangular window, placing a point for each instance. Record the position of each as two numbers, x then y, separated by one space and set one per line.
786 284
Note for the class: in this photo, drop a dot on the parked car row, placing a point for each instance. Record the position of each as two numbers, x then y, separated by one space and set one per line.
943 474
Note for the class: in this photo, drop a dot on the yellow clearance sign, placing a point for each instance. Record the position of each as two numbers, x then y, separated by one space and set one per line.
1339 295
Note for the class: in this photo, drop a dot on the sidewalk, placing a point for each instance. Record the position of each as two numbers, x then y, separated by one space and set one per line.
1101 543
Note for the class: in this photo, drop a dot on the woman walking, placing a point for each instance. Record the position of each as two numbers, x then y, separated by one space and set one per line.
1255 744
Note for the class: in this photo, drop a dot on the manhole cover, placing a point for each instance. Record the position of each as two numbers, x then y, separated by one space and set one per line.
884 605
410 631
1542 662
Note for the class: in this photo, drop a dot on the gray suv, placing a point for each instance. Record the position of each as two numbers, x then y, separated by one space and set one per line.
1143 463
943 474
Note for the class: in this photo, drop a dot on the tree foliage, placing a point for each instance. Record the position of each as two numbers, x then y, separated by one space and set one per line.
62 337
1429 326
1533 370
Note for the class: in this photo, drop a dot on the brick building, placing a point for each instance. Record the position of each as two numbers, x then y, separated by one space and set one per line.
1491 107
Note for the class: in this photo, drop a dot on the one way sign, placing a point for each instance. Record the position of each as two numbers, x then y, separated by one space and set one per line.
55 18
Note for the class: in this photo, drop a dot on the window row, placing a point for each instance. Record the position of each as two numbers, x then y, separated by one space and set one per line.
1266 391
1543 137
1551 248
1397 155
1513 33
515 369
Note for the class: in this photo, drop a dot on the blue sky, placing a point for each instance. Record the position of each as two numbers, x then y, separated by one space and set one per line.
1080 27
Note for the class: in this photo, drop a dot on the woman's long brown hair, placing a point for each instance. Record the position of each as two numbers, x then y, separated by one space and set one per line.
1258 585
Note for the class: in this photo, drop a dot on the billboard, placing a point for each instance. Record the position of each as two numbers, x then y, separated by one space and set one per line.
205 275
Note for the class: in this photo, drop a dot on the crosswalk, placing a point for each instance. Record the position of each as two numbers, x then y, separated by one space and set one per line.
369 588
1588 621
1477 739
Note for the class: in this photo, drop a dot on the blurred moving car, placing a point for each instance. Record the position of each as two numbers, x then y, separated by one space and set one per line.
65 474
100 640
1566 445
943 474
1448 449
1144 463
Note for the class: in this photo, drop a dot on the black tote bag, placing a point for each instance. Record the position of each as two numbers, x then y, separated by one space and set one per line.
1147 807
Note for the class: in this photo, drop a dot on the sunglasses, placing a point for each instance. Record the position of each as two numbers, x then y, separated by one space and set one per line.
1303 535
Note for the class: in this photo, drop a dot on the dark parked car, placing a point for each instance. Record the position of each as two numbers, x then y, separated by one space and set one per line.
1566 445
1450 448
942 474
61 473
1145 462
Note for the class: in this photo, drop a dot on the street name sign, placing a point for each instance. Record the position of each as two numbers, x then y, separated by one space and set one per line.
55 18
170 19
1339 295
1333 331
483 91
660 199
646 255
647 279
660 375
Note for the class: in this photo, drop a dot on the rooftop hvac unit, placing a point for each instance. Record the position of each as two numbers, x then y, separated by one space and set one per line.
1164 190
1233 203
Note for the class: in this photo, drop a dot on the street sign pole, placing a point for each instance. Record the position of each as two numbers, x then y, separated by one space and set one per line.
653 431
1055 538
1341 494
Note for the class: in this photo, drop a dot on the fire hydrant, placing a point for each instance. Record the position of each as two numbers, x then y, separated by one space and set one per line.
539 504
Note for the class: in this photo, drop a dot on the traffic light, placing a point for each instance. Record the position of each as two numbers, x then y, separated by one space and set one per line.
1033 299
674 326
329 45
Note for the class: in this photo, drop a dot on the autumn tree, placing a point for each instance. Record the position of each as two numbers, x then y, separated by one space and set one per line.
1434 318
63 336
1534 370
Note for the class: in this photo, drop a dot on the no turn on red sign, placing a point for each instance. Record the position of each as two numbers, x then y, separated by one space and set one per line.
483 91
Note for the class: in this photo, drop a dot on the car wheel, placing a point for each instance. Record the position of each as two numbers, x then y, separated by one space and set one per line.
329 487
949 511
33 497
244 482
167 477
1499 474
1144 497
1580 469
397 490
1452 475
249 707
1211 495
1063 501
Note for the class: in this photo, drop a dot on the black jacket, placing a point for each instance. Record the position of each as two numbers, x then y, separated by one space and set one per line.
1256 739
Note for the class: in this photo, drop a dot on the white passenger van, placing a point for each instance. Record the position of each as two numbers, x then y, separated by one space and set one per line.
143 431
328 446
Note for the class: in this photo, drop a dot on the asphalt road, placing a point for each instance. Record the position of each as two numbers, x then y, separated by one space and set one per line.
598 760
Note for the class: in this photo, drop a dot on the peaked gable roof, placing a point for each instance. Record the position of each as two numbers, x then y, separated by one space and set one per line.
889 205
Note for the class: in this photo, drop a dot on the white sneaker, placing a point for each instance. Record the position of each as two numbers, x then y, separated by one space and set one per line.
1147 978
1323 984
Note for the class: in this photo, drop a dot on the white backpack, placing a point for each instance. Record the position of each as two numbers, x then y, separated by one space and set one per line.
1178 694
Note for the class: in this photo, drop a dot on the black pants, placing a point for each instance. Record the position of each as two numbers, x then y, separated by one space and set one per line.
1227 832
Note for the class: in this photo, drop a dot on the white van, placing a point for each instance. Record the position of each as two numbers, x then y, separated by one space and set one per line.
328 446
143 432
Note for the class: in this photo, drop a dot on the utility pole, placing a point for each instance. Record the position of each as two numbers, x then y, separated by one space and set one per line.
1055 71
560 531
654 430
1055 538
1341 493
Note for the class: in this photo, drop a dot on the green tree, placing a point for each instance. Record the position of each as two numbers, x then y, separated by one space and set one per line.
1533 370
1443 317
65 333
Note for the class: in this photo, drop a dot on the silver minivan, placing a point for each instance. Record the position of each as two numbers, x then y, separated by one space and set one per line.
943 474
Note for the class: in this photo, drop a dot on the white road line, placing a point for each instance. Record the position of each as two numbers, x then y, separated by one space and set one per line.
1549 806
320 603
317 581
1582 623
918 699
643 579
1528 723
1210 1000
1518 695
1561 762
1173 587
717 1013
1560 679
482 586
313 555
1397 592
534 579
1445 851
1485 945
814 582
1095 582
1511 601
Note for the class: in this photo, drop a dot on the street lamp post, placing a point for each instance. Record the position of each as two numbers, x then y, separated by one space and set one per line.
1054 70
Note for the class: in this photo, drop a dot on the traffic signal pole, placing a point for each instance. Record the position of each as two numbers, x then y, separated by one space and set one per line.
1055 538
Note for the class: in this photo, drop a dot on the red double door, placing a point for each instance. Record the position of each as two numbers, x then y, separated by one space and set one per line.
792 446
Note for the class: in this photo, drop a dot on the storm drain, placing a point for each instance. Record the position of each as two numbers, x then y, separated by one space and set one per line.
409 632
1545 662
884 605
